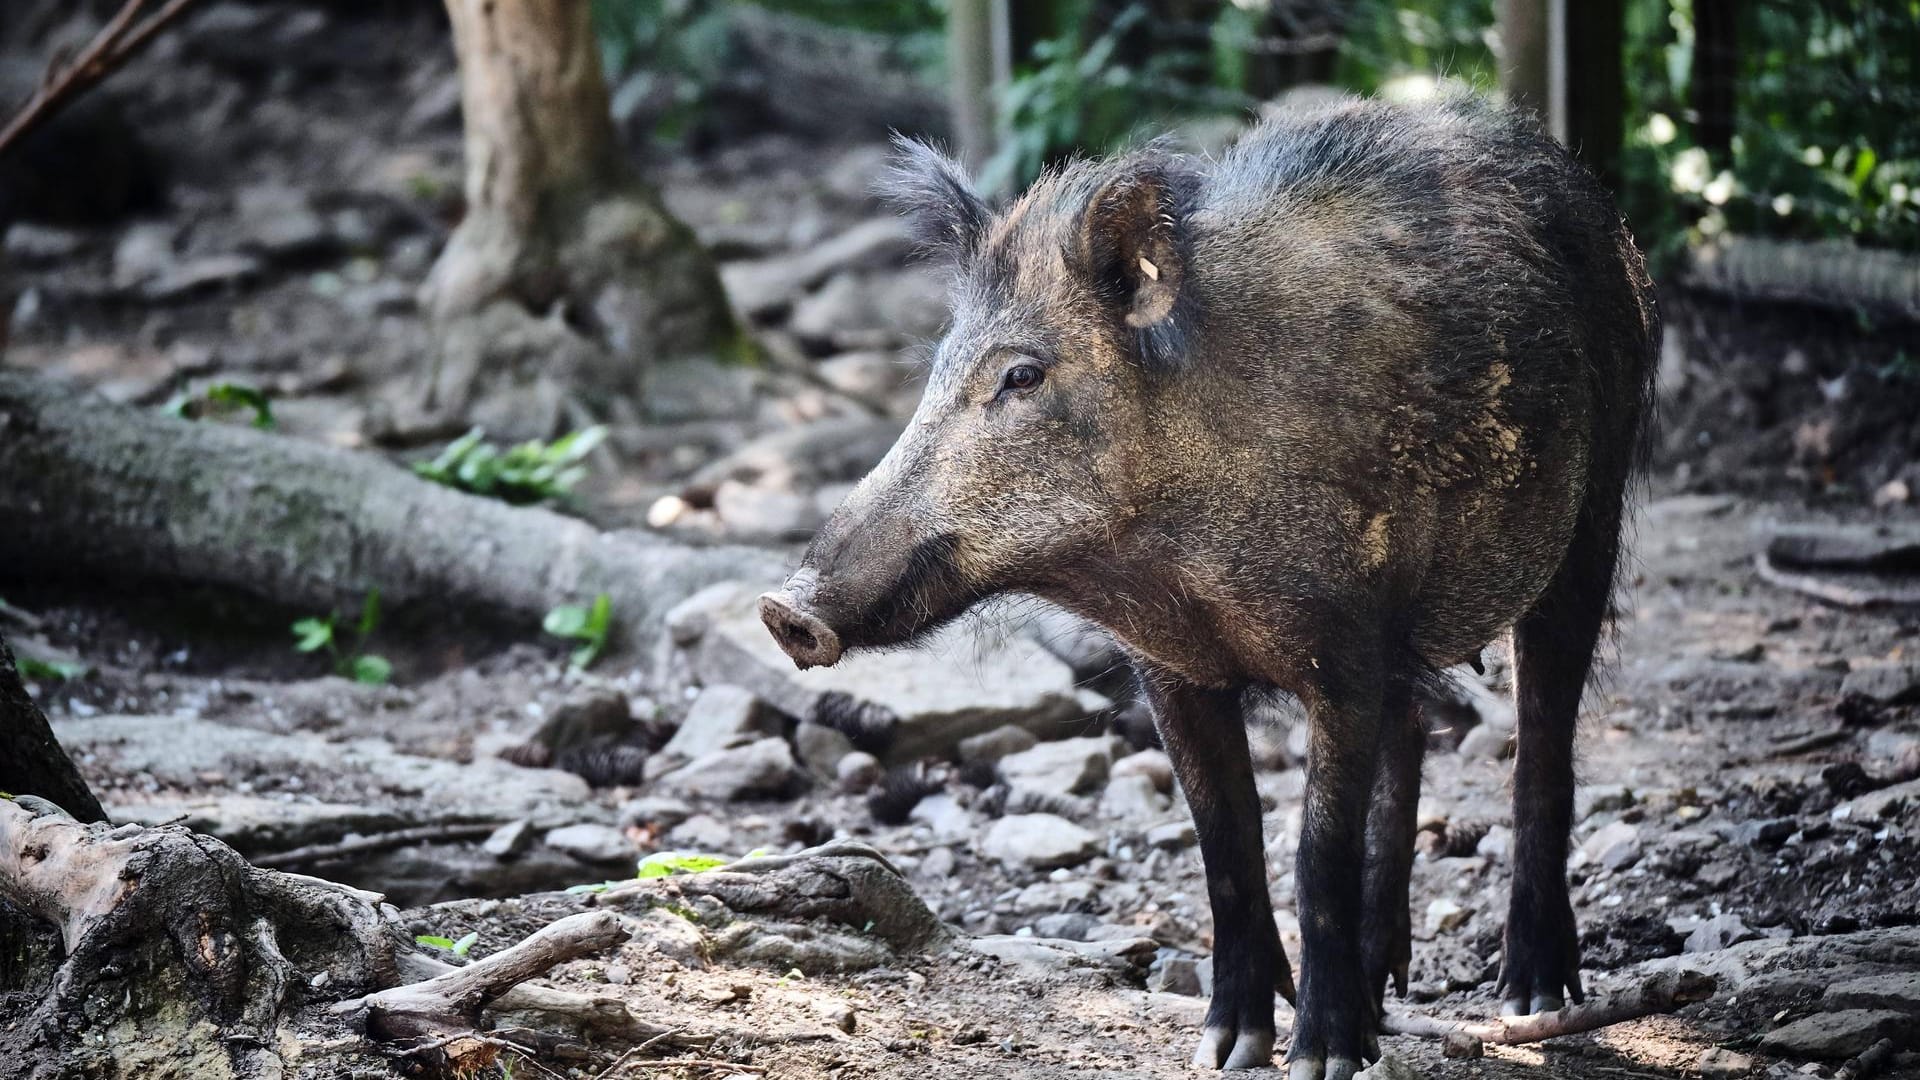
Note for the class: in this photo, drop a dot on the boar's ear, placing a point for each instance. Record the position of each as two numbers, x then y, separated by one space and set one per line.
933 193
1132 238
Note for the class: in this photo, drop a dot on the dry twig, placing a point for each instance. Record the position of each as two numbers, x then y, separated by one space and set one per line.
123 36
1662 993
319 853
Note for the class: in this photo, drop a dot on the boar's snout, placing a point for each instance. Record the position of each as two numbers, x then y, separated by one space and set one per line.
801 634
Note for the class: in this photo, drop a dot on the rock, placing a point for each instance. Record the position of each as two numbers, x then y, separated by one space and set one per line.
31 244
619 974
589 716
875 374
837 1014
1039 841
763 286
1592 799
1066 767
1132 798
1175 974
1462 1045
658 810
1769 833
1718 874
1897 991
1066 925
1496 845
145 251
996 744
857 771
678 391
1444 915
1718 1064
900 705
722 716
702 832
687 621
944 815
1391 1066
1086 647
1718 933
1835 1035
764 768
1874 806
820 749
208 272
591 843
280 222
1172 836
1152 764
751 512
1615 846
1484 742
1888 684
509 840
1052 957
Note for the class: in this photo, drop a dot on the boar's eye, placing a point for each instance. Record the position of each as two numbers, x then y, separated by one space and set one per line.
1022 377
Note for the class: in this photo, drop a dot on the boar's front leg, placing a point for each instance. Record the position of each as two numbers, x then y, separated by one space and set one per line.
1334 1027
1205 734
1387 933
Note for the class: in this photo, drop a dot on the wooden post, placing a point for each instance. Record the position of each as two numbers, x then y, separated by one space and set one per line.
1523 53
971 65
1716 58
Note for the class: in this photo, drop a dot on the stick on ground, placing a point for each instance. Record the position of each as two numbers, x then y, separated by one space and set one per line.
1662 993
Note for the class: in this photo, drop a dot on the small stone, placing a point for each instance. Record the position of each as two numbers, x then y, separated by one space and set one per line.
1152 764
1835 1035
509 840
619 974
1066 925
1486 742
1718 933
1496 845
1768 833
939 864
1887 684
857 771
702 832
837 1014
820 749
765 513
762 768
28 243
996 744
1615 846
280 222
1391 1066
1718 874
720 717
657 810
944 815
1898 992
1040 841
1067 767
1592 799
1132 798
1171 836
1718 1064
1462 1045
1875 806
591 843
1444 915
1175 975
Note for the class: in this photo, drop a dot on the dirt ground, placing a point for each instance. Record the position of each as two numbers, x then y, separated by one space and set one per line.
1748 800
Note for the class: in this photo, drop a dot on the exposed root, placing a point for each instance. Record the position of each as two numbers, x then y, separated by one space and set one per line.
1663 993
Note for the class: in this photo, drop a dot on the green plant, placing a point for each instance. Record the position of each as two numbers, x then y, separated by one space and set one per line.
589 624
39 670
315 633
531 472
663 863
457 948
221 399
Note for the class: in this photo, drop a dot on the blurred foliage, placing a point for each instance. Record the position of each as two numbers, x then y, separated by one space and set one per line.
1825 143
1410 47
531 472
671 58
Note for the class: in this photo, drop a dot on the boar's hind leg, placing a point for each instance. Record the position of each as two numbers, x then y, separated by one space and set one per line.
1553 648
1206 739
1334 1029
1386 935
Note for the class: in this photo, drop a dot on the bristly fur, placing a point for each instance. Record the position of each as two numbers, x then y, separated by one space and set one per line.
931 190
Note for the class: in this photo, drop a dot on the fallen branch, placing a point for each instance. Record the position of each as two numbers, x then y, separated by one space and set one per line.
1882 593
386 841
94 490
1833 274
1870 1062
122 37
1663 993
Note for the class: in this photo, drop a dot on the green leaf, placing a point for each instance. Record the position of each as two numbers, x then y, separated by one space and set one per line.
313 634
662 863
229 395
49 670
434 940
370 613
461 947
567 621
371 670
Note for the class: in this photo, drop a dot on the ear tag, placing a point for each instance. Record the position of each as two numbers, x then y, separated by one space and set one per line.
1147 268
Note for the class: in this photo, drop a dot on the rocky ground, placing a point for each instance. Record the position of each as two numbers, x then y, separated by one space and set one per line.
1751 773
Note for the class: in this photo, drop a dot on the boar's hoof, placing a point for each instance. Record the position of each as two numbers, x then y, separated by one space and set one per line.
809 641
1225 1048
1338 1068
1541 1003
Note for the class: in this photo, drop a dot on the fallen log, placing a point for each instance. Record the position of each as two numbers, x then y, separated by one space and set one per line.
105 491
1661 993
1831 274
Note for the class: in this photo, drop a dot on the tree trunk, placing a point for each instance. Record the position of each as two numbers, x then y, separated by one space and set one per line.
1710 86
1523 54
31 761
95 490
556 220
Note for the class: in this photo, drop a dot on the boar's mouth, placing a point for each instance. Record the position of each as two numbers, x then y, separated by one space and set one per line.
830 605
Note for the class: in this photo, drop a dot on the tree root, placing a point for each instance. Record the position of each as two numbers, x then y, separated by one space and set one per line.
1662 993
425 834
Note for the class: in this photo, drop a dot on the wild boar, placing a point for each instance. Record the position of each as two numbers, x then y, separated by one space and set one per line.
1325 416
